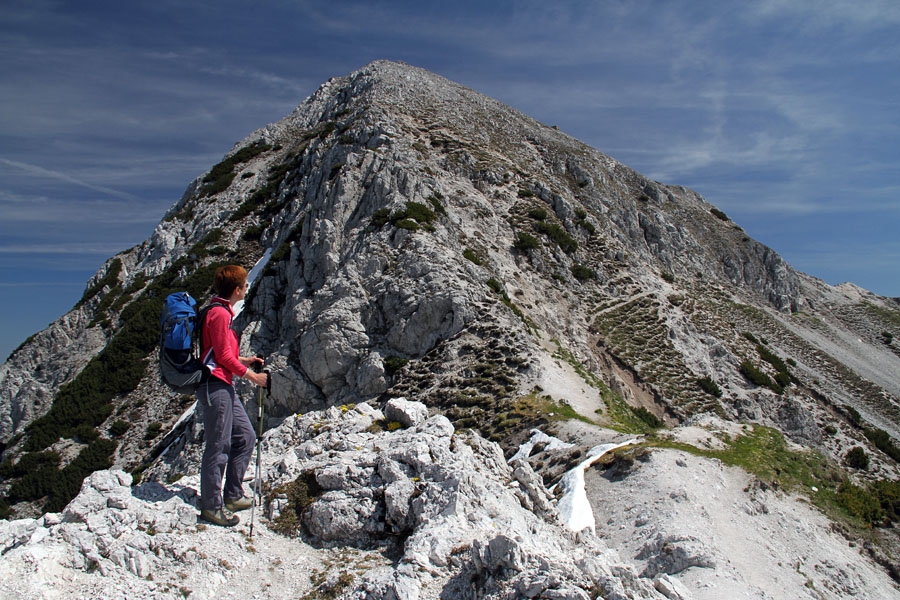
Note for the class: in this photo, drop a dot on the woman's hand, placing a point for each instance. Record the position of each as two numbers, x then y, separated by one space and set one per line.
260 379
249 361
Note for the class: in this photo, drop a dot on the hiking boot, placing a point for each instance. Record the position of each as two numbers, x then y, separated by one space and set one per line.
219 517
236 504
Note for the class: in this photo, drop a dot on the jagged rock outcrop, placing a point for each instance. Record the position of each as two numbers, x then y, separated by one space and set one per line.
445 501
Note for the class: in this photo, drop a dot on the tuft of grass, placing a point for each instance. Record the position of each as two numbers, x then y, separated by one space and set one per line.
472 256
301 493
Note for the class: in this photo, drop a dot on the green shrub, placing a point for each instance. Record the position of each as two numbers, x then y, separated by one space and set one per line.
407 224
857 458
525 242
60 486
559 235
538 214
754 375
381 217
888 494
119 428
420 213
580 214
882 440
719 214
472 256
111 278
31 461
783 377
435 200
709 386
250 151
830 429
411 217
588 226
651 420
496 286
667 276
85 433
860 503
217 185
750 337
137 284
853 415
153 431
393 364
253 233
525 193
582 273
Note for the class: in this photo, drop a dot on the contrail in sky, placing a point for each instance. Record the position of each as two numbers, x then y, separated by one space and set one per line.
68 179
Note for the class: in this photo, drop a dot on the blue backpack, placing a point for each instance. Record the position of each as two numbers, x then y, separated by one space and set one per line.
179 366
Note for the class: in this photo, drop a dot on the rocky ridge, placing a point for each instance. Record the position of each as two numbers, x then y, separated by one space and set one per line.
355 510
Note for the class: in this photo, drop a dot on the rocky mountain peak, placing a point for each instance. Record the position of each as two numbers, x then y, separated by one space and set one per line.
413 238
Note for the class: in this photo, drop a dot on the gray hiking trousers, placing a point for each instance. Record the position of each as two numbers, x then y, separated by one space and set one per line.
229 443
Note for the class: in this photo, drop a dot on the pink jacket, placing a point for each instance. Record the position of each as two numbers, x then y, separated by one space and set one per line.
221 338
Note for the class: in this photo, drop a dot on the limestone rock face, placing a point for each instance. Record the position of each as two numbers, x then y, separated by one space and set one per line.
449 496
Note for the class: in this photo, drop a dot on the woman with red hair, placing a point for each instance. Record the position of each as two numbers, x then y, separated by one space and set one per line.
229 432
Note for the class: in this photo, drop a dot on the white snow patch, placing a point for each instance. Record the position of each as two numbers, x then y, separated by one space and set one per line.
574 508
538 437
251 278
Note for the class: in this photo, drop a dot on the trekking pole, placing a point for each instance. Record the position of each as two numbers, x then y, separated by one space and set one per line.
257 482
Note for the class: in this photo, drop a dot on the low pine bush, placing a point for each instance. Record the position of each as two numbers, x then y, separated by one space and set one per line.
882 440
709 386
754 375
719 214
651 420
857 458
582 273
555 232
538 214
525 242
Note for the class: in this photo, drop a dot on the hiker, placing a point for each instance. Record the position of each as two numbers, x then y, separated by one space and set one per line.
229 433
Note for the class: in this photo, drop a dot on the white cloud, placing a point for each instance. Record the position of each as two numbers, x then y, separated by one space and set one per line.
846 14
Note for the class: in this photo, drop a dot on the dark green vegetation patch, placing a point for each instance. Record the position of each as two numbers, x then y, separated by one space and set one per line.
301 493
85 403
222 174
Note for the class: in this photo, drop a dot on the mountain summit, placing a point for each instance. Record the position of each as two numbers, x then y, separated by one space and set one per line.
415 239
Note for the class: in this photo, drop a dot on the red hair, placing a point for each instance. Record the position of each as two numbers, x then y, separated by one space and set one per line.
227 279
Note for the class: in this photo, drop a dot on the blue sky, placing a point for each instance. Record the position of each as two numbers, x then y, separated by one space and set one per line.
784 114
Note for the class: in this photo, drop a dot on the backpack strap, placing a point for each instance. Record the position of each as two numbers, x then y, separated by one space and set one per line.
201 322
